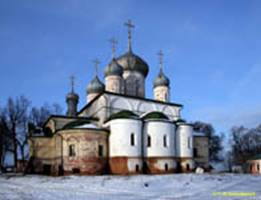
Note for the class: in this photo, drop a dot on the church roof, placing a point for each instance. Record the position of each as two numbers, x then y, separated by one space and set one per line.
256 157
95 86
76 123
130 61
155 115
124 114
114 68
72 95
129 96
161 80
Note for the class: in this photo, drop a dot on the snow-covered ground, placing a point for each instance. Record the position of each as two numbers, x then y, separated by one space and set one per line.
176 186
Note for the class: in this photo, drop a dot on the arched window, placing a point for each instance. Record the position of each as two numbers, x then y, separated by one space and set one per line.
137 168
166 167
72 152
195 152
187 166
100 150
165 141
166 96
149 141
132 139
189 142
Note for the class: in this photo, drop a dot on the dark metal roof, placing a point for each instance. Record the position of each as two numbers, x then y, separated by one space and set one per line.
124 114
95 86
155 115
161 80
113 69
132 62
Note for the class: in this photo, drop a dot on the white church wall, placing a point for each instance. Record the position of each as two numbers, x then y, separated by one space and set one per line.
133 163
184 141
188 163
161 93
170 111
120 104
114 84
161 164
134 83
120 138
157 130
97 109
109 103
144 107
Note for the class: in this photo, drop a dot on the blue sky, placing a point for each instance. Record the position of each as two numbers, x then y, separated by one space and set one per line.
211 51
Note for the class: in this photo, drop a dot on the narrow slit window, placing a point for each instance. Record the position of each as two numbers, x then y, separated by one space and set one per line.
100 150
189 145
165 141
72 152
132 139
187 166
137 168
166 167
149 141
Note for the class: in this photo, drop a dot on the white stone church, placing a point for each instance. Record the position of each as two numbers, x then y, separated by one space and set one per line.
119 130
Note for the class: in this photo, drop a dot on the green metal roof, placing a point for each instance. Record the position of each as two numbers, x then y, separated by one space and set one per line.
124 114
155 115
75 123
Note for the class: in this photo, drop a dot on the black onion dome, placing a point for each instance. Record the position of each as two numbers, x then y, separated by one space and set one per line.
161 80
132 62
95 86
73 96
113 69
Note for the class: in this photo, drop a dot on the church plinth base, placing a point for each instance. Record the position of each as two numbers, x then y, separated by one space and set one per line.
185 165
159 165
125 165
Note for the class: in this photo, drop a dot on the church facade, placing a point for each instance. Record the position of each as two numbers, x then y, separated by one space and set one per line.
119 130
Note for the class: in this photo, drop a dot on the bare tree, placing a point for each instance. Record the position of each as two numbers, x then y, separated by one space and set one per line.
39 115
245 143
6 144
15 115
15 119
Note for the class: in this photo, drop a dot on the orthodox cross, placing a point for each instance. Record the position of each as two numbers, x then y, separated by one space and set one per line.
113 42
72 82
129 26
160 54
96 64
